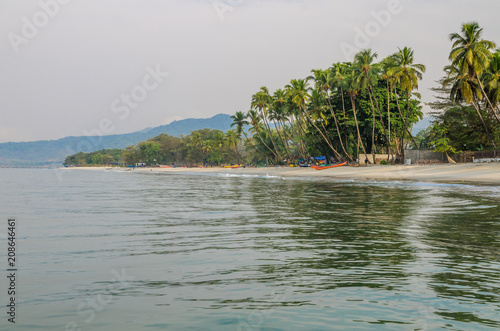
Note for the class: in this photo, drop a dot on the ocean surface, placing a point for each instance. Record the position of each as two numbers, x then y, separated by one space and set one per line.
124 250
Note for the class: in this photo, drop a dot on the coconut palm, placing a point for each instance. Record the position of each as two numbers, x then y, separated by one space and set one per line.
406 74
254 119
472 55
324 81
240 121
492 82
277 115
386 65
353 91
231 141
368 76
315 111
466 89
298 91
341 72
262 101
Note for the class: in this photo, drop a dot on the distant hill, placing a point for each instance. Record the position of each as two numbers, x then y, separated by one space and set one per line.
53 152
423 124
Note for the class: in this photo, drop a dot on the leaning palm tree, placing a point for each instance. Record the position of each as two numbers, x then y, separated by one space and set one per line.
491 78
298 91
323 82
262 101
465 89
276 114
315 111
406 74
353 91
254 118
472 55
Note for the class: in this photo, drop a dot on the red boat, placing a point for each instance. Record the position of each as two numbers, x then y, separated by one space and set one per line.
329 166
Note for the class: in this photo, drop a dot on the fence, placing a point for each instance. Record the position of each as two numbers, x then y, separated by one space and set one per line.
486 156
423 157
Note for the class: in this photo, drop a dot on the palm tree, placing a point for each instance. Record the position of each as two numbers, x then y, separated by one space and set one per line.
406 74
352 91
465 89
368 76
341 72
298 91
254 118
206 148
324 81
472 55
276 115
231 140
386 65
240 121
315 111
492 82
262 101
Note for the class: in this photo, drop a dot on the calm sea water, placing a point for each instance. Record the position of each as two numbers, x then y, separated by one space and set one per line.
109 250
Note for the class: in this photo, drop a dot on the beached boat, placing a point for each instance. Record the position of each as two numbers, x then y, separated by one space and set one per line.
329 166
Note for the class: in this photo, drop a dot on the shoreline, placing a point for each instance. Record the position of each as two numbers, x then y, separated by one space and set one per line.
478 173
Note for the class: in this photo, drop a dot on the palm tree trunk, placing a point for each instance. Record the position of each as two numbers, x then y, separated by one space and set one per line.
484 125
486 97
381 120
286 140
262 140
248 141
282 142
330 141
404 124
342 94
389 119
357 129
304 132
337 127
271 135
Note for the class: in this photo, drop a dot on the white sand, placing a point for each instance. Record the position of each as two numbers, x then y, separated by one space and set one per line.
485 173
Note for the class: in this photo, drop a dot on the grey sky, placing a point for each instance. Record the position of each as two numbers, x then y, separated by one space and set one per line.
68 76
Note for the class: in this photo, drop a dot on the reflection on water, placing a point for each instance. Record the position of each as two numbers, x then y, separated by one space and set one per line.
128 251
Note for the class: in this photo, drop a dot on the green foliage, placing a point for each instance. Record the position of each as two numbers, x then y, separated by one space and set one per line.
54 151
443 145
102 157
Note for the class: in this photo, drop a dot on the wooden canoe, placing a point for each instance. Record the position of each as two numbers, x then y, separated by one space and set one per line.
329 166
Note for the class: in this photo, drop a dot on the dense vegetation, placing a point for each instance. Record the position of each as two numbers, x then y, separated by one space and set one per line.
353 108
54 151
104 156
467 99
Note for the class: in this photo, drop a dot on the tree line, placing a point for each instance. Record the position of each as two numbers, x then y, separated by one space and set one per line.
468 96
363 107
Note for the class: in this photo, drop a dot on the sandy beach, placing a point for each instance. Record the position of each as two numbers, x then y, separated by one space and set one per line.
485 173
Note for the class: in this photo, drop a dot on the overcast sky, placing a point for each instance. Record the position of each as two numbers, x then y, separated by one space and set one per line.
69 72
